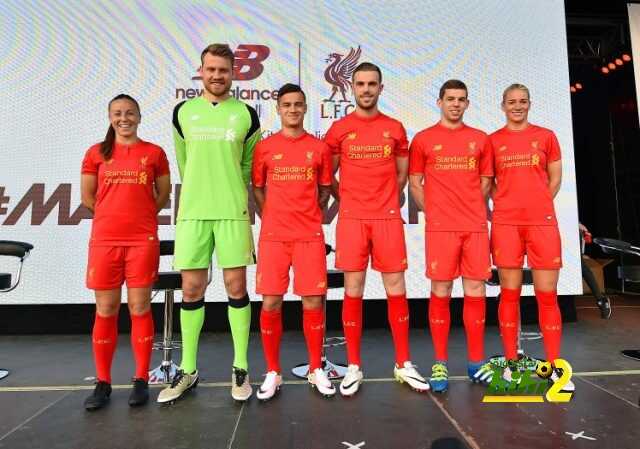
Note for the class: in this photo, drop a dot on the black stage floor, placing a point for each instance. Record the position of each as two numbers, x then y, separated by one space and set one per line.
41 401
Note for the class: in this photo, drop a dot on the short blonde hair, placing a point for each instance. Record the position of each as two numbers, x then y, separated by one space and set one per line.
515 86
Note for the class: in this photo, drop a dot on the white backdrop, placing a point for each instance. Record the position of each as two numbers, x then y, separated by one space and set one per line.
634 30
62 61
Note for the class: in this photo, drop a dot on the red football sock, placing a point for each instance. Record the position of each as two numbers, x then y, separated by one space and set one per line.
398 314
271 331
439 324
473 316
550 323
142 343
508 317
105 339
313 326
352 326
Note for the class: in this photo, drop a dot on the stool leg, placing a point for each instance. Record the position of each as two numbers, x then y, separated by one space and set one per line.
167 335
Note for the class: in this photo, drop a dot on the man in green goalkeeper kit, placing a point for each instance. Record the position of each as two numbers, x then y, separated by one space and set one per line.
214 138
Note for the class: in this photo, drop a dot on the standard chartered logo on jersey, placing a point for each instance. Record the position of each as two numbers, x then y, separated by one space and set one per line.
200 133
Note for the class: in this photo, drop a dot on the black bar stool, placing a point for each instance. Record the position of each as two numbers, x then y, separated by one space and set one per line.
20 250
169 282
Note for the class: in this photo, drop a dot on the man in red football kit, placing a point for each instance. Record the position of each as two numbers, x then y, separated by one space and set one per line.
528 175
451 172
370 149
295 168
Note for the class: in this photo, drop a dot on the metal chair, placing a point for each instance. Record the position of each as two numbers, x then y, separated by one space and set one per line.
20 250
169 282
625 273
335 279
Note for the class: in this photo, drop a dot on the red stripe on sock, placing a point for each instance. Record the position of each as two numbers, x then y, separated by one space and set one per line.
508 316
105 340
352 326
313 326
550 323
439 324
271 332
473 316
142 343
398 314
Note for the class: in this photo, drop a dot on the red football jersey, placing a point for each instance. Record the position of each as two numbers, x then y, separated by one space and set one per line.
125 208
452 161
368 147
291 169
520 159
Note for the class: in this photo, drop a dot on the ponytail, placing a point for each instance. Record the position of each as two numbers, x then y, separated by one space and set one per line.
106 146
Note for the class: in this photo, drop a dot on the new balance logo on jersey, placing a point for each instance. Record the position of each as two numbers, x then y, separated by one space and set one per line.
277 157
230 135
502 148
437 147
195 117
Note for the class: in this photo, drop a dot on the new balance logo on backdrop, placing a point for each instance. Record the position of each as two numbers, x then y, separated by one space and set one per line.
248 62
248 66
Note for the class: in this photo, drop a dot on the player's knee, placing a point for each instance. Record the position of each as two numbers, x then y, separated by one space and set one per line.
139 308
270 303
442 289
474 288
393 283
193 289
235 287
311 302
107 309
354 285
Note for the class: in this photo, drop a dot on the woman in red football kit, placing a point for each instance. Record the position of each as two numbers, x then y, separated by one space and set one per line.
528 172
125 182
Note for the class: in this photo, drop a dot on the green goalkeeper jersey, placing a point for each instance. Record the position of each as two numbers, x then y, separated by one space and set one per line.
214 147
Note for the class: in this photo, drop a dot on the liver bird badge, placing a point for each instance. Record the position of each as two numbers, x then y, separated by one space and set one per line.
338 72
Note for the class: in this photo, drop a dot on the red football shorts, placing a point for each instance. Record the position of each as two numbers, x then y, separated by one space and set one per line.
110 266
450 254
541 244
309 262
383 239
